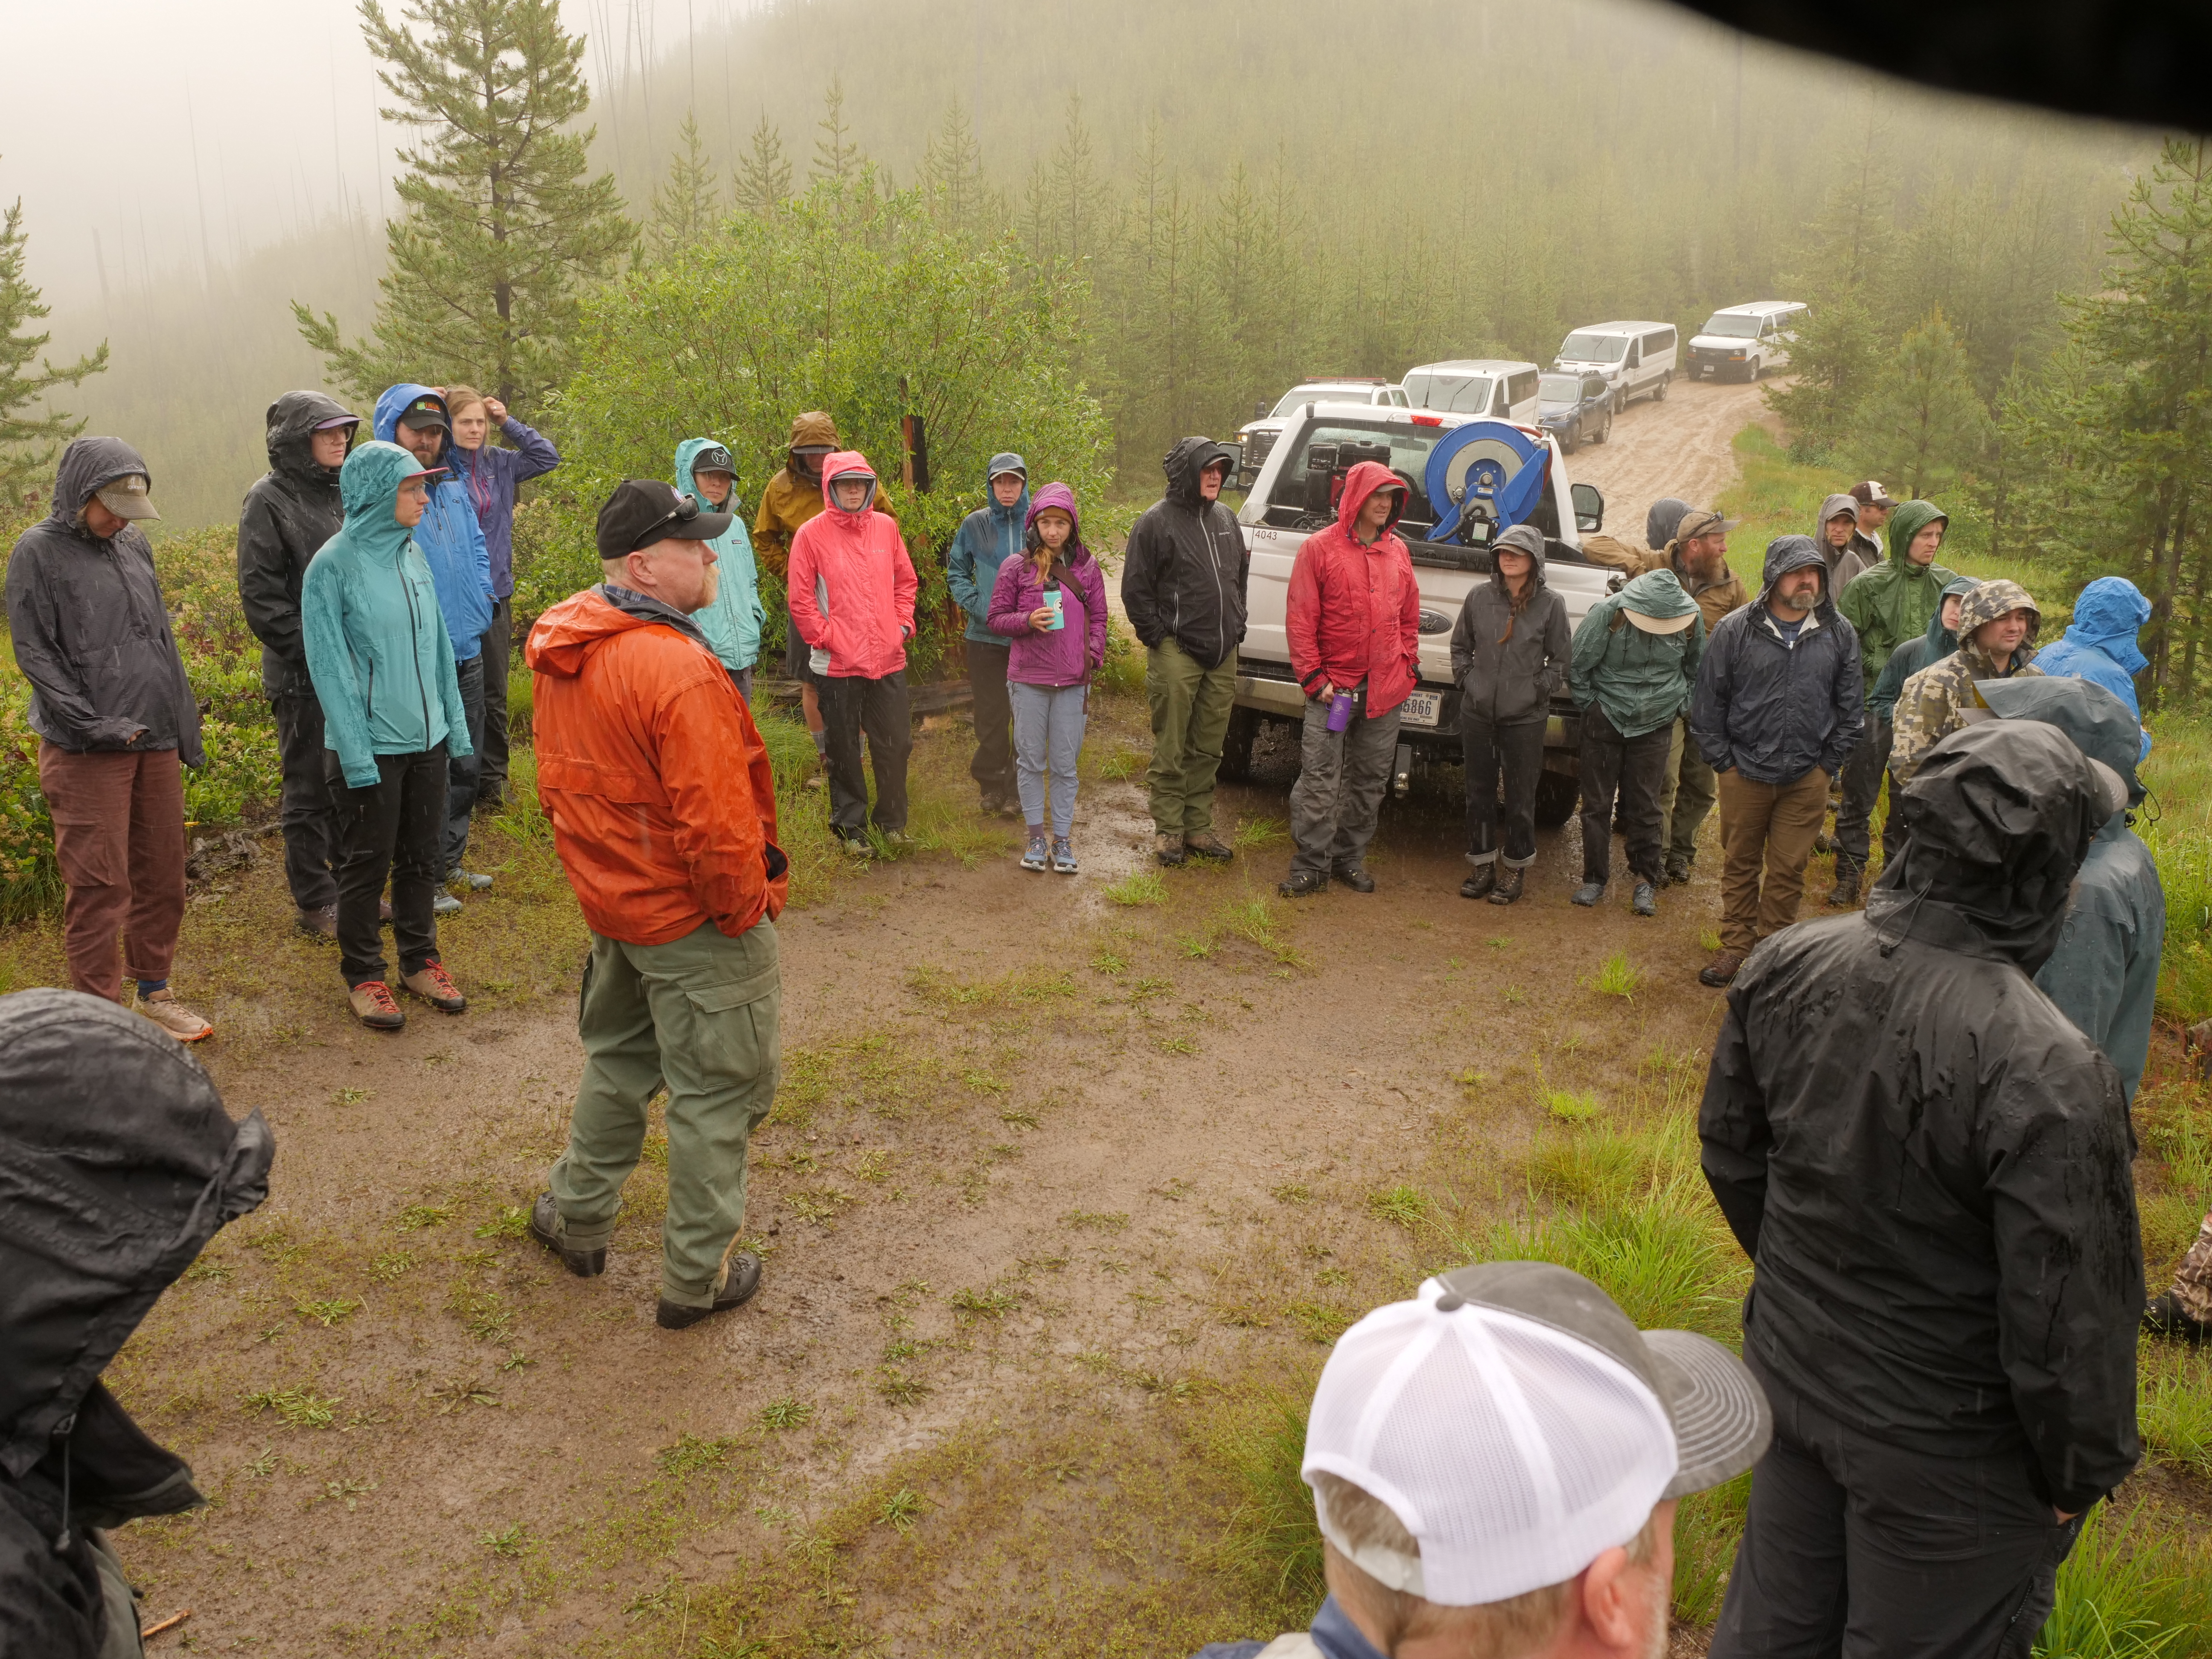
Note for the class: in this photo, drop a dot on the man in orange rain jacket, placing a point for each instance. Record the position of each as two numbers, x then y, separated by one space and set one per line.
664 814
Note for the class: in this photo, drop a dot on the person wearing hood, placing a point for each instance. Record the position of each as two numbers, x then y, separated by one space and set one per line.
663 807
381 658
452 543
987 539
122 1165
490 478
1697 552
1183 575
1997 624
2099 644
1929 1168
1051 602
288 514
1836 533
1779 705
1888 605
733 618
852 598
1939 641
1510 651
1632 663
116 720
1353 624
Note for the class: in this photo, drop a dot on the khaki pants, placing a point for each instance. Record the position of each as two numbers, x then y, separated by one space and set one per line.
1686 796
119 841
1190 716
698 1014
1773 825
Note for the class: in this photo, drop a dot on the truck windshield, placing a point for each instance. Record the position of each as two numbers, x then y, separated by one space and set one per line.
1560 389
1731 325
1454 394
1594 347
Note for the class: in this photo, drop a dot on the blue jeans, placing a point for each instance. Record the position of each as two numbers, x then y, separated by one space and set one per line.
1048 722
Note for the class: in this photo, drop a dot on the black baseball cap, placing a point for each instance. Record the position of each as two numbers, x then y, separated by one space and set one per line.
713 458
643 511
425 411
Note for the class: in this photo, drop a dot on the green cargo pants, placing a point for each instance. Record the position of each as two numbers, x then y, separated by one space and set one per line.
698 1014
1686 798
1190 716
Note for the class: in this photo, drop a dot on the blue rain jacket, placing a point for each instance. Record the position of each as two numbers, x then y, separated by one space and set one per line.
449 538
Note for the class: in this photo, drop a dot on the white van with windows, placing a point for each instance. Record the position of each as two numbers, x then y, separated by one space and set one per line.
1745 342
1636 359
1475 386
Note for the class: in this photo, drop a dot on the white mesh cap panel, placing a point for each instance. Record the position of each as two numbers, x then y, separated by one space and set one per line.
1513 1453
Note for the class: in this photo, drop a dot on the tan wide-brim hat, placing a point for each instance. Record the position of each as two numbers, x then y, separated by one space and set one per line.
1659 624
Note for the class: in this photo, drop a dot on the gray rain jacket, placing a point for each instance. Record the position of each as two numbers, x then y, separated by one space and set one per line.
91 633
1510 681
1184 570
1927 1165
288 514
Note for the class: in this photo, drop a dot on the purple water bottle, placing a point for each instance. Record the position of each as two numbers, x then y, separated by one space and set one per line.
1340 711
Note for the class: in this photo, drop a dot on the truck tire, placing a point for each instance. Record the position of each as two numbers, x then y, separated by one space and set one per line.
1557 796
1236 745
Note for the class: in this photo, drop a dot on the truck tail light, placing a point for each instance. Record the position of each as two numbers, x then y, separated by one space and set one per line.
1428 420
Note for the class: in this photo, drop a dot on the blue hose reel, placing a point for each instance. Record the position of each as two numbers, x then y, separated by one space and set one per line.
1485 469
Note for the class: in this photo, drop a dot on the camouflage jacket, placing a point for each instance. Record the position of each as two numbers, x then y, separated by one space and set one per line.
1939 699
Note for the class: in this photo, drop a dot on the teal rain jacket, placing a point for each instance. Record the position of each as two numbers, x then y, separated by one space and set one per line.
987 539
1641 680
732 623
378 650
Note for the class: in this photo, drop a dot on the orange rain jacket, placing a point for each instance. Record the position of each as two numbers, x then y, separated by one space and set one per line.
654 775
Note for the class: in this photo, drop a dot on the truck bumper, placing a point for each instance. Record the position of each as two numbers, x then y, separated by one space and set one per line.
1282 699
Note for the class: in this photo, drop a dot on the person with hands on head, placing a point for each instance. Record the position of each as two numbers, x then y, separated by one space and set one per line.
987 539
733 618
1355 625
116 720
852 598
381 660
663 807
1051 602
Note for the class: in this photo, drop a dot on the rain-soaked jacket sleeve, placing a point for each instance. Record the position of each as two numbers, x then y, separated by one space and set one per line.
1592 635
535 455
1847 692
1710 696
264 591
1302 617
1141 563
960 573
329 665
1559 646
33 626
1734 1130
718 833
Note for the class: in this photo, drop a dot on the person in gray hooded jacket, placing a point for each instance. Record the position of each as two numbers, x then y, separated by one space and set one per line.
1509 653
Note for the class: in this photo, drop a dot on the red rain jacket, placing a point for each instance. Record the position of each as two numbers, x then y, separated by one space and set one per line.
856 564
1355 611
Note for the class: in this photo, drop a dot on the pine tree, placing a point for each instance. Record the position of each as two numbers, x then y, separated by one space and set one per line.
836 157
763 177
952 174
684 208
1922 422
502 228
27 440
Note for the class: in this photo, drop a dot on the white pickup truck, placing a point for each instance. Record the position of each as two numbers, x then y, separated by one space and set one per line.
1290 499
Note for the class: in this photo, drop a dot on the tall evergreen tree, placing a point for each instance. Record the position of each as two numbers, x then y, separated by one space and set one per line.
952 175
502 227
684 207
763 176
836 157
1922 424
29 440
1846 276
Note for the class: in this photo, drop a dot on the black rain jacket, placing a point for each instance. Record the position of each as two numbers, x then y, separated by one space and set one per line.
1927 1164
90 631
117 1163
1183 575
289 512
1771 709
1510 681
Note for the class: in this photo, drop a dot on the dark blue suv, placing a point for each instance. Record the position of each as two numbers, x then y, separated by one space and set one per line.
1575 409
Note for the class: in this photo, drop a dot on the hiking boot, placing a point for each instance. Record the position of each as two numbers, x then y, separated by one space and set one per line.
1823 842
1207 845
1355 878
321 925
856 846
435 986
468 881
1167 847
1063 856
740 1277
1677 873
899 838
373 1005
1508 888
1644 901
489 805
162 1007
1302 884
1588 893
2168 1317
443 904
1721 969
548 1230
1000 806
1480 884
1038 854
1845 893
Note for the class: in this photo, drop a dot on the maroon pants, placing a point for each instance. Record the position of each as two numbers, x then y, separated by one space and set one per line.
119 839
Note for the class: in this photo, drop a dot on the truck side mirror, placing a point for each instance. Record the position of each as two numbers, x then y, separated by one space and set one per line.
1590 506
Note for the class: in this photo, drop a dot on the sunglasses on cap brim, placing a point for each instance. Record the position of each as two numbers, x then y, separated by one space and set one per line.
687 508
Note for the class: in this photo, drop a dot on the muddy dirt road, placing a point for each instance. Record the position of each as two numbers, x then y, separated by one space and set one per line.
1677 448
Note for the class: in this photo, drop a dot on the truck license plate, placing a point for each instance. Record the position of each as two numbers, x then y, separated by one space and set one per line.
1422 708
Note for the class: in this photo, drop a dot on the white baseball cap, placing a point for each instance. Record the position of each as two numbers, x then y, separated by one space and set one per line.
1519 1425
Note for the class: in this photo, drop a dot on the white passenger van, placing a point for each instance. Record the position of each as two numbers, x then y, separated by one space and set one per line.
1636 359
1746 341
1475 386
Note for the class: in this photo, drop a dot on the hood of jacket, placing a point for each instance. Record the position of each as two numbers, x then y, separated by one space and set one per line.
1997 820
1787 553
687 456
1519 544
2098 723
1988 601
1908 521
1057 495
1660 524
1362 481
1018 513
813 429
1189 459
87 466
2108 616
396 398
564 638
120 1163
1836 507
1658 594
845 464
368 488
293 419
1942 640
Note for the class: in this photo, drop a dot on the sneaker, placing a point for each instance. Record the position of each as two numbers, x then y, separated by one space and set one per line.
1302 884
1207 845
435 986
172 1016
1509 886
321 925
1355 878
443 904
373 1005
856 846
2168 1317
1721 969
1478 885
740 1277
1168 848
548 1230
1037 854
468 881
1588 893
1644 901
899 838
1063 856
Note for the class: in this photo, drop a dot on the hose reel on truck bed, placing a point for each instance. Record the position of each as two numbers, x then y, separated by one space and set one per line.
1482 479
